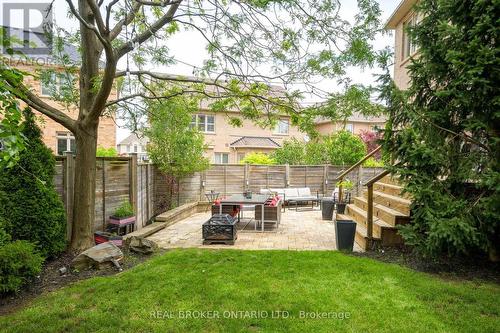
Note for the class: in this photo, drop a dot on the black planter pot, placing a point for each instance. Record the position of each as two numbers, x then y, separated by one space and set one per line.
341 207
327 206
345 231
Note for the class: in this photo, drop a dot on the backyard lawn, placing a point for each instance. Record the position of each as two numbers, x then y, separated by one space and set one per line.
234 288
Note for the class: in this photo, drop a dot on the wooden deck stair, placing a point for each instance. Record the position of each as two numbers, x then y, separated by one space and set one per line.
390 209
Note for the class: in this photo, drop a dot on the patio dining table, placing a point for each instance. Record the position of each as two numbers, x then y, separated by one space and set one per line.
240 199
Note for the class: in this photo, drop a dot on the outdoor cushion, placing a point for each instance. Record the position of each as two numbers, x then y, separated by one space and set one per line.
304 192
306 197
291 193
279 191
335 193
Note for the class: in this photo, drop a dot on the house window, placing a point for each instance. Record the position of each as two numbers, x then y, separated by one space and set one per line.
204 123
56 83
409 46
240 157
128 148
349 128
65 142
135 148
282 127
221 158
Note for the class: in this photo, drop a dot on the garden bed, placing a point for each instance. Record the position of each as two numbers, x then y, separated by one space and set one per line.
50 279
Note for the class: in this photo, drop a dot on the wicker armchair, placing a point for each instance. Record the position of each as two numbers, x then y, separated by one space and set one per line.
271 213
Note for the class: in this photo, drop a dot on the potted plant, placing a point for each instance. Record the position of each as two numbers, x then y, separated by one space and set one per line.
105 236
123 216
347 186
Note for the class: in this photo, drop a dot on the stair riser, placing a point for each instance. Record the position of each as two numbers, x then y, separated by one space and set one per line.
361 241
396 205
391 237
377 213
389 190
390 180
362 220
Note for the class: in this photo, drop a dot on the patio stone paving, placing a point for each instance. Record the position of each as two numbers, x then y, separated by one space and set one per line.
303 230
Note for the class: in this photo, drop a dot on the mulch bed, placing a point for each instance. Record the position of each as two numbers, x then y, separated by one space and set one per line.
457 268
50 279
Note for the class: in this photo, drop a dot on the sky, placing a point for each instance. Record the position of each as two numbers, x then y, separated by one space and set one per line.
190 47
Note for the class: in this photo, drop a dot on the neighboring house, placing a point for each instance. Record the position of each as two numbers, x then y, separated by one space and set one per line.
355 124
132 144
229 144
55 136
404 49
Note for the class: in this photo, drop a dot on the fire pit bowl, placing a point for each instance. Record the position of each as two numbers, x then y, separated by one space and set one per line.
220 228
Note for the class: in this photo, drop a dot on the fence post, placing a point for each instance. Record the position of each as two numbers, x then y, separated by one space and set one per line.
203 184
69 190
133 181
103 194
148 193
246 186
287 175
325 179
225 180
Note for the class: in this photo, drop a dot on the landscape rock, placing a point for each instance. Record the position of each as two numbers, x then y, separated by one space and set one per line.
140 245
102 254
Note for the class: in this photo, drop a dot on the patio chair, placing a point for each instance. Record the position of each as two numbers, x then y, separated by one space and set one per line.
272 213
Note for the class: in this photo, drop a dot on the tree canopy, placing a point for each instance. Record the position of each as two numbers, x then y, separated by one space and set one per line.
250 45
174 146
340 148
444 131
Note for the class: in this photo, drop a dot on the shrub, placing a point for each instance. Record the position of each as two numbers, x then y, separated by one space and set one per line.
371 140
258 158
373 163
19 262
176 147
28 201
109 152
344 148
443 134
124 210
292 152
4 235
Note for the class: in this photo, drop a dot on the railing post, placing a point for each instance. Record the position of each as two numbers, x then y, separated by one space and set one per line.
369 217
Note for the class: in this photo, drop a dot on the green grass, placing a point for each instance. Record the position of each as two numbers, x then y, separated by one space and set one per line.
378 297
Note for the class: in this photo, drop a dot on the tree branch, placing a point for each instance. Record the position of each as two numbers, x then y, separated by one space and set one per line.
89 26
35 102
139 39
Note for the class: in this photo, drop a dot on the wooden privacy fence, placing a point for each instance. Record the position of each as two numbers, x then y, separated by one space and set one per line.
121 179
228 179
118 180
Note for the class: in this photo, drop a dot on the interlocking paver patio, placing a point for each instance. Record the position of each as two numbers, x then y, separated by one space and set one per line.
303 230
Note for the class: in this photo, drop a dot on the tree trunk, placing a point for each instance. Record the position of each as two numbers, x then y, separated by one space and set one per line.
85 186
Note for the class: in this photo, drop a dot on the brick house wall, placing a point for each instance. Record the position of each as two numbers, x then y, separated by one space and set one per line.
51 129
